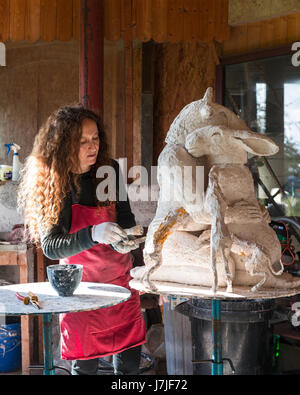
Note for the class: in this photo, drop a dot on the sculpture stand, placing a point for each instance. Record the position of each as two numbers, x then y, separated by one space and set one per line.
217 358
241 293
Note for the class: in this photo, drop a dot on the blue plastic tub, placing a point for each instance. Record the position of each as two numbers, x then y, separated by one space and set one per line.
10 348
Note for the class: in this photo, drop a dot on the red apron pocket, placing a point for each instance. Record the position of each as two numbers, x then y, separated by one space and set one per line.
99 342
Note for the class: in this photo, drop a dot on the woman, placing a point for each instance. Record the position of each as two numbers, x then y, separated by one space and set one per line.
62 213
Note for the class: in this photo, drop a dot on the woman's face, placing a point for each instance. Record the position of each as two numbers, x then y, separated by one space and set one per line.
89 145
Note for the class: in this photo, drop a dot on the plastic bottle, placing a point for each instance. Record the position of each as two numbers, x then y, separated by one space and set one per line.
16 161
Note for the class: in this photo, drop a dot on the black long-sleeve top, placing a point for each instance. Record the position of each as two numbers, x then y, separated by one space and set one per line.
57 243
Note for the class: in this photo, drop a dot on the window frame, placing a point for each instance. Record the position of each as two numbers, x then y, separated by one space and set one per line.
242 58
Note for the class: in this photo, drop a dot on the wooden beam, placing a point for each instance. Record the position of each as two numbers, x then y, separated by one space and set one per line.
137 103
92 55
129 103
25 320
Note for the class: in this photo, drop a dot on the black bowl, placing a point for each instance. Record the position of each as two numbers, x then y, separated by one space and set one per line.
64 278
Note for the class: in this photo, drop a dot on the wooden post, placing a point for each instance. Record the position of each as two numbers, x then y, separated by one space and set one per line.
40 278
91 55
25 323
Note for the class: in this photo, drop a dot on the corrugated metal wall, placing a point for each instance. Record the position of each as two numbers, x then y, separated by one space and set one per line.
270 33
160 20
32 20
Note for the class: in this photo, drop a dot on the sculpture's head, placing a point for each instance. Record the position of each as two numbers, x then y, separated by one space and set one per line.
207 128
223 145
199 114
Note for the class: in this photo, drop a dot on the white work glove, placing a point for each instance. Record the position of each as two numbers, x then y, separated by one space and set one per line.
108 233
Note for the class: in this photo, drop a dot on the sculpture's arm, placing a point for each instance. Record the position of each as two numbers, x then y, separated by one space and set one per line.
181 179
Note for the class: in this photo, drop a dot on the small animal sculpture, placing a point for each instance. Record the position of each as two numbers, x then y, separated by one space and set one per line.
216 234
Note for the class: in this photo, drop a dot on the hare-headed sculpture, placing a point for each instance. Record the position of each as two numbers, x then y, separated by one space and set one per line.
216 234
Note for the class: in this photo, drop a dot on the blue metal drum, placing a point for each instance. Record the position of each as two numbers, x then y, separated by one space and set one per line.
10 348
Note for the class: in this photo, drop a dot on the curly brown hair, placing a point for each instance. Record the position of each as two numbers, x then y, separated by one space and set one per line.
48 171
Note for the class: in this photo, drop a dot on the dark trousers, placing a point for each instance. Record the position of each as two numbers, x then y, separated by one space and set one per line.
124 363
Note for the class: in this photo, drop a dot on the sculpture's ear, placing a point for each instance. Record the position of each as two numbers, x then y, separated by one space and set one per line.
255 143
209 96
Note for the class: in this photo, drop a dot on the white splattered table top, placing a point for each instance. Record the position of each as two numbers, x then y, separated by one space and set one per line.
201 292
88 296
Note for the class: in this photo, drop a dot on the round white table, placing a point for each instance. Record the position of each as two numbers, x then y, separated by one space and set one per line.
88 296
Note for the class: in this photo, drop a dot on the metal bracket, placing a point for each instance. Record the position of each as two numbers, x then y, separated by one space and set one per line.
217 363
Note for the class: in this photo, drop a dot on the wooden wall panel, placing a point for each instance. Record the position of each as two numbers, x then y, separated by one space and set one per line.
112 12
64 21
126 20
212 5
143 19
17 20
48 20
175 20
225 28
280 30
270 33
292 26
266 36
76 19
32 20
191 20
4 20
160 20
253 36
219 34
204 4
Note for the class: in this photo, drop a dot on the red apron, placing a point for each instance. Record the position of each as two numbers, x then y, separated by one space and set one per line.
107 331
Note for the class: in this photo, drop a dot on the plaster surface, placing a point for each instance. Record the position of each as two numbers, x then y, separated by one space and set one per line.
242 12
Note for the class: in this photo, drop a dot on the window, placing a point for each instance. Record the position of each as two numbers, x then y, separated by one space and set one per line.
265 93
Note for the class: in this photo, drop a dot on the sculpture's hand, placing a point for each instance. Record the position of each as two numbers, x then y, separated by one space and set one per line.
201 217
265 214
243 212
